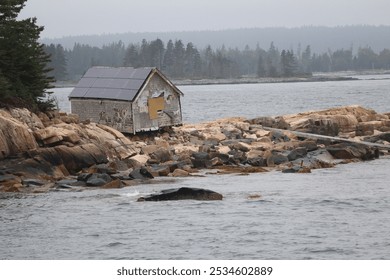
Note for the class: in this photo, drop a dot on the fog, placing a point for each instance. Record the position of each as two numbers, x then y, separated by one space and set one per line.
66 18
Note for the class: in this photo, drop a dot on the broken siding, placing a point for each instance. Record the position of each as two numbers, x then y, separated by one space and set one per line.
157 106
117 114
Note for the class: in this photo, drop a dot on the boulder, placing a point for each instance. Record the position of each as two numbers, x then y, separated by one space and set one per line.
244 147
278 122
141 174
180 173
115 184
352 151
201 160
139 159
98 180
183 194
160 170
15 136
79 157
53 134
161 155
378 138
297 153
276 159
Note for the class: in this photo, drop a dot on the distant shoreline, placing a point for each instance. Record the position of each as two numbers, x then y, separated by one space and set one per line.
261 80
188 82
317 77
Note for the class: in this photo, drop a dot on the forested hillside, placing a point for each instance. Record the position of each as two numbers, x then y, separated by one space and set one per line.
184 60
320 38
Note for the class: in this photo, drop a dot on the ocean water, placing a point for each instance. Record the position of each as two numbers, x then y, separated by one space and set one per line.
337 213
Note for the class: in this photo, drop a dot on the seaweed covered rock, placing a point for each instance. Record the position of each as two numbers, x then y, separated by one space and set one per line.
182 194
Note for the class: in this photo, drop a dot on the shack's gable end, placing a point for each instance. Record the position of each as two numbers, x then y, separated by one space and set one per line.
157 105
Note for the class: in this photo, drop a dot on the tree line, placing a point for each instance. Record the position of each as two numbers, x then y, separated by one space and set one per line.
24 73
185 61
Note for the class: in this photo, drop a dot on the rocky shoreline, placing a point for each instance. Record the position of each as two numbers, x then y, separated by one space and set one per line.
55 151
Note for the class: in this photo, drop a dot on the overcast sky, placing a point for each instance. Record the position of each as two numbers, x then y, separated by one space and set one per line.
85 17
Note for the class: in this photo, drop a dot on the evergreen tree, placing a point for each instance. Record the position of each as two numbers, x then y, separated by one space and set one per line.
157 51
306 61
384 59
168 60
288 64
342 60
366 59
273 61
178 56
57 61
23 61
132 57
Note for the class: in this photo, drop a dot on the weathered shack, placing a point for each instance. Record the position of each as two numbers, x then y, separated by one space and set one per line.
128 99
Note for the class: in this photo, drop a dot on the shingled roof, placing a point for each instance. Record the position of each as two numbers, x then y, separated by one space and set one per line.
112 83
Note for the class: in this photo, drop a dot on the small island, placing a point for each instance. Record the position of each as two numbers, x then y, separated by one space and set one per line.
55 151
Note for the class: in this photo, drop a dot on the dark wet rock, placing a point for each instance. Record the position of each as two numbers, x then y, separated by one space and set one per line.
297 153
64 187
33 182
183 194
223 157
141 174
102 168
79 157
278 136
352 151
8 178
323 127
161 170
201 156
310 145
237 157
232 134
258 161
84 177
201 160
97 180
73 159
67 181
241 146
378 138
276 159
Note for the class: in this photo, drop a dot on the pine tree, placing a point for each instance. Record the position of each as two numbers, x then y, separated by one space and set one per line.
57 61
132 57
168 60
23 61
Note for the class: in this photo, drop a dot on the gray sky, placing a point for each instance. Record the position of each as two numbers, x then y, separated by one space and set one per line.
85 17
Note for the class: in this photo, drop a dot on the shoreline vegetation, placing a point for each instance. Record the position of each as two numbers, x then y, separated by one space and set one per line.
54 151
